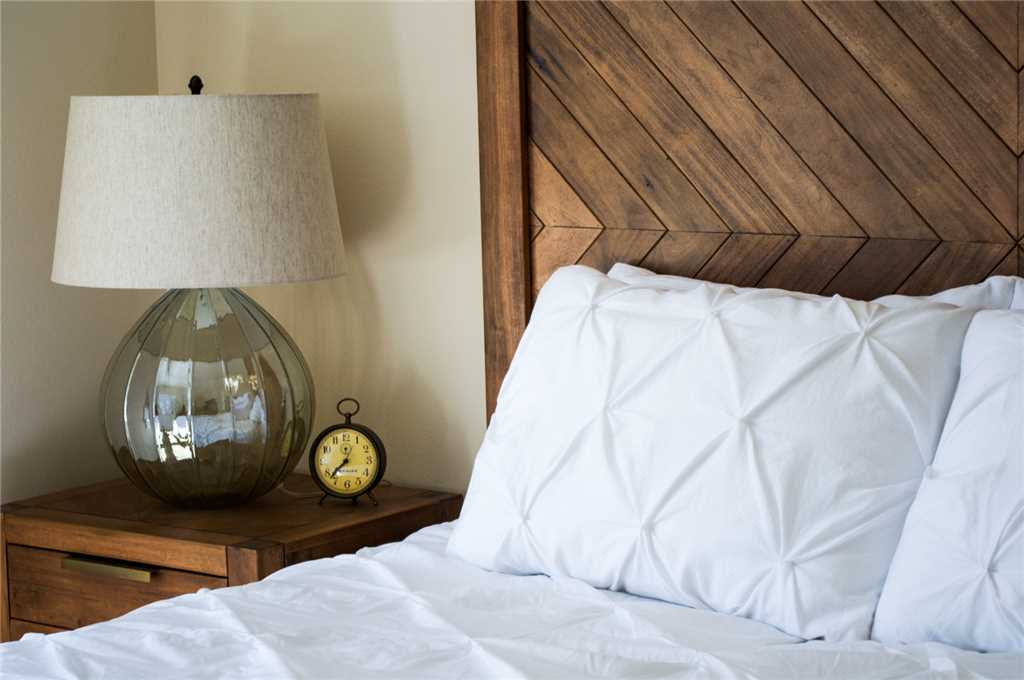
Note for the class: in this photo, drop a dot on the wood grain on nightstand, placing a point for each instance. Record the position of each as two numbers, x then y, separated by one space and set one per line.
184 549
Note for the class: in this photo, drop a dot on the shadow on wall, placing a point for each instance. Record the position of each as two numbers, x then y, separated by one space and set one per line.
359 333
336 322
56 340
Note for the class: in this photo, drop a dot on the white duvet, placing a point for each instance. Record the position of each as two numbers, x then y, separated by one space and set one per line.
406 610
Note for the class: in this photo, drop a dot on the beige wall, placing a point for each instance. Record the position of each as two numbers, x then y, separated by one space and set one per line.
403 332
54 340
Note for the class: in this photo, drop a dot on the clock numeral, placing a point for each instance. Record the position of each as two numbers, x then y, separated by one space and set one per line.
369 460
335 439
344 437
348 483
367 472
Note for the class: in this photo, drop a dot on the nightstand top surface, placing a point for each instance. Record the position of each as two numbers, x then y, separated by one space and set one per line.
285 515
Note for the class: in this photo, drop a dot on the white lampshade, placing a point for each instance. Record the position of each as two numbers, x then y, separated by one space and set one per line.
196 191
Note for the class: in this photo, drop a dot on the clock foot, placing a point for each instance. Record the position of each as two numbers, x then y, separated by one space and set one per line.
322 499
372 499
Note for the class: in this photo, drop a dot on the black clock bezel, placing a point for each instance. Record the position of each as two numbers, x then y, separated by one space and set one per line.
382 458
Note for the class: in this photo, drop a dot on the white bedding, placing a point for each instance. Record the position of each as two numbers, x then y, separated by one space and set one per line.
407 610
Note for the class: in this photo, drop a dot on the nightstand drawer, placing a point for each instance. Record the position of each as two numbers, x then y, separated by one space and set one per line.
60 589
20 628
179 550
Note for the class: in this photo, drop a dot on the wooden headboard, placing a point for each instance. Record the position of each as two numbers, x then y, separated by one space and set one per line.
853 148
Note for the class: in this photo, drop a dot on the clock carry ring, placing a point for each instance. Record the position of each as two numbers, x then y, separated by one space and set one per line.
348 414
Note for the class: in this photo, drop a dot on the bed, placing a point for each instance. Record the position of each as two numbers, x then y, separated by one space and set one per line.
765 145
407 610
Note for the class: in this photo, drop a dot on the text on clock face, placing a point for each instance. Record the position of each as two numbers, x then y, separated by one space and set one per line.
347 460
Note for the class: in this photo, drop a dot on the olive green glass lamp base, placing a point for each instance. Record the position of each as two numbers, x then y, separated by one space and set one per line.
207 402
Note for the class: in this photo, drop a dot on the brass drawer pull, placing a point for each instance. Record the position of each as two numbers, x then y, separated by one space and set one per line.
98 567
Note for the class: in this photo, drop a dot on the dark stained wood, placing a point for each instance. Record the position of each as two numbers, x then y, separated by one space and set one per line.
682 253
503 197
44 592
535 225
20 628
210 548
850 148
881 129
954 264
749 136
5 615
1007 266
253 559
346 538
630 246
591 175
879 267
293 505
963 55
815 135
606 119
552 199
928 100
810 263
744 258
130 540
558 246
720 179
998 22
1020 259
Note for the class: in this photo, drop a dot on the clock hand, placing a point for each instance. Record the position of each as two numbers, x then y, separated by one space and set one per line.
343 464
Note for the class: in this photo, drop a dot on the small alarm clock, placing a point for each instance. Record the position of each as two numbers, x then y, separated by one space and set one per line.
347 460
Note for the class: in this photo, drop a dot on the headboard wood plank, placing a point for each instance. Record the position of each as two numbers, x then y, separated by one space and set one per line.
503 192
583 164
765 155
852 148
924 95
965 56
998 22
819 139
874 121
614 127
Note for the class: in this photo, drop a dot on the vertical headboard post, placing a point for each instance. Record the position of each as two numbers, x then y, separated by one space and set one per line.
503 177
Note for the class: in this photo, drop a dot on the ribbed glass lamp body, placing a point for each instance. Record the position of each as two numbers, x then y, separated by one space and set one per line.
207 402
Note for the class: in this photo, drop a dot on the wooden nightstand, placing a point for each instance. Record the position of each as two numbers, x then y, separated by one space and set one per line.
90 554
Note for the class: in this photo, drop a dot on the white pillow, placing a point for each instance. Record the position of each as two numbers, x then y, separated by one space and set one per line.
995 292
958 574
748 452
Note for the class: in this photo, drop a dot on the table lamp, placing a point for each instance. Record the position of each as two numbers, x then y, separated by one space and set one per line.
207 401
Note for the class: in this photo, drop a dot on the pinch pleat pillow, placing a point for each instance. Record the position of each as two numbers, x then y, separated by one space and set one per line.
995 292
749 452
958 573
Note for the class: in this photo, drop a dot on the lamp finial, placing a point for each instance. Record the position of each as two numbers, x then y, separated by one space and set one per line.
195 84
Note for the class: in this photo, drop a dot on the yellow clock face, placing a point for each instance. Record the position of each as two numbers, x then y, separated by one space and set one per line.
346 461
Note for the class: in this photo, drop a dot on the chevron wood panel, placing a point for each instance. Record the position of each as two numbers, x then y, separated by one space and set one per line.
855 148
861 148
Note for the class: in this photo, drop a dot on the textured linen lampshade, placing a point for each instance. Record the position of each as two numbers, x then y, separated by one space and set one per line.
196 192
207 401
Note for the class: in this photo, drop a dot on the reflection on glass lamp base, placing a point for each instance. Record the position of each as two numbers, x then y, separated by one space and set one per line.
207 402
